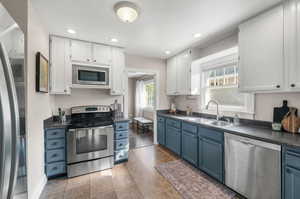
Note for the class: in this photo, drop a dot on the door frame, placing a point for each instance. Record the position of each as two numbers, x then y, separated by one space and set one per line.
156 75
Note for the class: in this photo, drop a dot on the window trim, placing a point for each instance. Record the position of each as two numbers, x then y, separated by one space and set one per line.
219 62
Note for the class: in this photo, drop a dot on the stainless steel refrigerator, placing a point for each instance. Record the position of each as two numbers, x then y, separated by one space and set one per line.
13 178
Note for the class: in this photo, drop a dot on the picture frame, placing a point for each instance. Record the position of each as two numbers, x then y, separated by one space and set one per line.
42 73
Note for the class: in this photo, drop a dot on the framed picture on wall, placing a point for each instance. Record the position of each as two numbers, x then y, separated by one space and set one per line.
42 73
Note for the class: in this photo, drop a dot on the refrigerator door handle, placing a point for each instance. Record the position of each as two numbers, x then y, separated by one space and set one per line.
15 121
6 133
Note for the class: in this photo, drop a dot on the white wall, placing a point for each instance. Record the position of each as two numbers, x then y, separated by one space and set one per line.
152 64
38 105
264 103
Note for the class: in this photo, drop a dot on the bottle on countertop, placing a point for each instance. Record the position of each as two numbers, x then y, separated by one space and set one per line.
189 111
236 120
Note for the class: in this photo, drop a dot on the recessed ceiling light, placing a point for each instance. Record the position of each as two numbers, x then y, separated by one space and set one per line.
197 35
168 52
114 40
127 11
71 31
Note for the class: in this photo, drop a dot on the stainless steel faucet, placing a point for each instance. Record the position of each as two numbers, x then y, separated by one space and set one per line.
217 103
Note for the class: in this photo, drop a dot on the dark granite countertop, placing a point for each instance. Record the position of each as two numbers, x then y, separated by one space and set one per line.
121 119
50 124
251 131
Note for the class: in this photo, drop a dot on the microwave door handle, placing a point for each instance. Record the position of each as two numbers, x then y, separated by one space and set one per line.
15 149
6 129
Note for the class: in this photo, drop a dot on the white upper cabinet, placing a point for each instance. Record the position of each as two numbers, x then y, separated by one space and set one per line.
292 44
102 54
117 72
181 76
261 48
81 51
60 66
183 73
171 76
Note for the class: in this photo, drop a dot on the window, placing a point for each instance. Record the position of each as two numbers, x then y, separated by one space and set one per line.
220 76
149 93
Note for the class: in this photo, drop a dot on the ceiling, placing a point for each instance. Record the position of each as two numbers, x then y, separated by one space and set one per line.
163 24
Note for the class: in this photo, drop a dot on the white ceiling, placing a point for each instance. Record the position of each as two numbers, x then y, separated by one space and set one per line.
162 25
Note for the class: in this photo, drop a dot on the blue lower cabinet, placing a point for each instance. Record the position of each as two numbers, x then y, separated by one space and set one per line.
173 139
121 141
161 133
55 169
292 183
55 152
212 158
189 145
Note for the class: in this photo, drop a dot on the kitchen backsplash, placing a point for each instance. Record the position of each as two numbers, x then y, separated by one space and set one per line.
264 104
81 97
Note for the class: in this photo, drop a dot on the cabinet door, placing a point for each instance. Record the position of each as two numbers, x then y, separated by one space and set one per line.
212 158
189 147
102 54
60 66
291 183
173 139
182 73
292 44
161 136
117 71
81 51
261 52
171 76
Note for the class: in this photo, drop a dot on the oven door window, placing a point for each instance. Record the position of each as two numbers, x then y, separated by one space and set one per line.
91 76
89 141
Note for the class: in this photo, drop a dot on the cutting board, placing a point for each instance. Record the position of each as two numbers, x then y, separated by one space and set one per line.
280 112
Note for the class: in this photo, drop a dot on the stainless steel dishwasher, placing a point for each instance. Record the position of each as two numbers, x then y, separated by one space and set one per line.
252 167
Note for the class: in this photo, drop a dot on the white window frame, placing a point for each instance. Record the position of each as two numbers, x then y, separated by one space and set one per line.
218 60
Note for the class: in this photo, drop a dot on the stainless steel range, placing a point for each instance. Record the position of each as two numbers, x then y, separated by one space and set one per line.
90 140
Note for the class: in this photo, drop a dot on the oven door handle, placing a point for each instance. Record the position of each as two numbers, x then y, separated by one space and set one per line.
100 127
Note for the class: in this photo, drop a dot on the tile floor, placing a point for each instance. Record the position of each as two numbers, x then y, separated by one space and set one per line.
135 179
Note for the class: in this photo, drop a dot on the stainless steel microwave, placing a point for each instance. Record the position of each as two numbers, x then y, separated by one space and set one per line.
90 75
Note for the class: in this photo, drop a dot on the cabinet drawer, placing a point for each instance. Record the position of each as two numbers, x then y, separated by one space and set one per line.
121 155
211 134
121 135
292 159
55 155
174 123
121 126
55 168
189 127
160 119
55 144
121 144
55 133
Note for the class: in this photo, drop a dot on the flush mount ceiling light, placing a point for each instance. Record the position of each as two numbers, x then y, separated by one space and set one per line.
127 11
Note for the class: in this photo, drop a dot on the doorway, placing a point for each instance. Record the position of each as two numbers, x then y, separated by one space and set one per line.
140 105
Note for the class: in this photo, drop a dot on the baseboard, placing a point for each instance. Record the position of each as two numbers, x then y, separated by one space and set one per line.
39 189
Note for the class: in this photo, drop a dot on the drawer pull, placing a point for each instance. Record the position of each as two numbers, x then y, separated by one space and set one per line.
54 155
54 168
293 85
278 86
54 143
288 170
54 133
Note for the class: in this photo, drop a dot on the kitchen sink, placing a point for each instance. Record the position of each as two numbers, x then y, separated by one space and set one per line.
220 123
